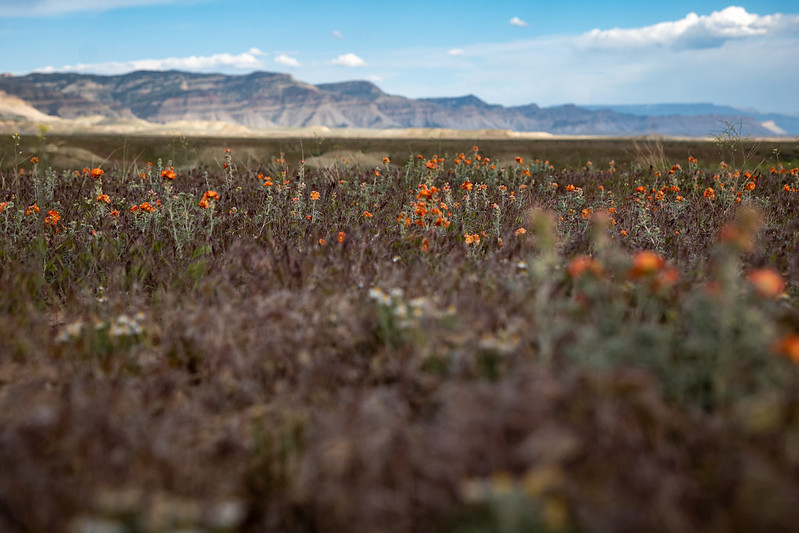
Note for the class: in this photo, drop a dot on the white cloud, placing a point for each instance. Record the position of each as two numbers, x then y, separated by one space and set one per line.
283 59
255 52
516 21
39 8
337 34
245 61
695 31
374 78
348 60
557 69
455 52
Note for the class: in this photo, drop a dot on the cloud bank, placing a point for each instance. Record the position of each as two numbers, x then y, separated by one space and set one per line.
247 61
695 31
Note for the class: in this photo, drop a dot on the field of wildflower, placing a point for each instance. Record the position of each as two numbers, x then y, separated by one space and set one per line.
445 342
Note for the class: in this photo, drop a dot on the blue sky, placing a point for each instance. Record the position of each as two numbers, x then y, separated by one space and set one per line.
508 52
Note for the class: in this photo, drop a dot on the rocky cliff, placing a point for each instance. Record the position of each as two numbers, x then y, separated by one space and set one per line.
268 100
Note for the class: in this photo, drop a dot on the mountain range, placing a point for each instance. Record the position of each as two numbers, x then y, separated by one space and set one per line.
263 100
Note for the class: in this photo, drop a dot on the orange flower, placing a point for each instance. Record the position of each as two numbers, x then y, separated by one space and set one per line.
322 242
97 173
467 185
367 214
425 246
104 198
134 208
168 174
709 193
52 218
203 203
520 160
211 195
750 186
145 206
520 231
34 160
640 188
386 161
586 213
3 206
341 236
314 195
787 345
766 282
646 263
583 264
114 214
570 188
32 209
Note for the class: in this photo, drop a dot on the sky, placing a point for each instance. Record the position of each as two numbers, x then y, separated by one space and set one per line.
509 52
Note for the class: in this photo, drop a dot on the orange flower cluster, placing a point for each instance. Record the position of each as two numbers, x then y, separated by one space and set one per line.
471 238
709 193
168 174
521 231
428 208
97 173
341 236
314 195
208 195
266 179
144 206
52 218
104 198
3 206
32 209
434 162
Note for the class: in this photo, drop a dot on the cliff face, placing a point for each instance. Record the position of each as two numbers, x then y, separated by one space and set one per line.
265 99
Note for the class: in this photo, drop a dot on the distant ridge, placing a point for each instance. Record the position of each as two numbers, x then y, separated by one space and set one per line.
275 100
